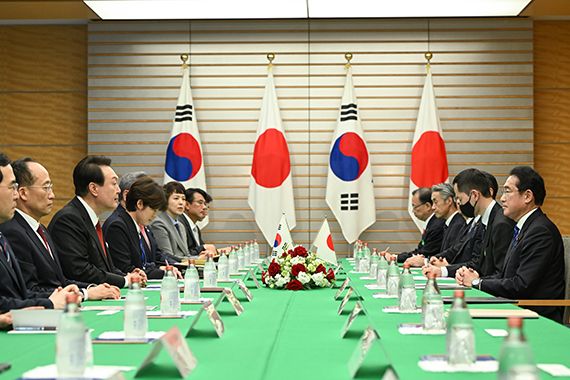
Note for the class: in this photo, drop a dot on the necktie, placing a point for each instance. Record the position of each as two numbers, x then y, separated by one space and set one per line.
143 250
515 236
144 235
43 236
177 225
100 236
196 236
4 249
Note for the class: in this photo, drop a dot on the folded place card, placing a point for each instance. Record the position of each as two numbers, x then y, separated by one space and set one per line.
369 338
341 289
345 300
177 349
351 318
245 290
213 317
231 297
438 363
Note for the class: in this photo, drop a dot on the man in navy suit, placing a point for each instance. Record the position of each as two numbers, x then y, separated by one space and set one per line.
13 291
534 264
30 240
77 232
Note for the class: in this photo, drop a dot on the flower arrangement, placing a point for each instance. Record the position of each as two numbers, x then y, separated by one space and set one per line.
297 269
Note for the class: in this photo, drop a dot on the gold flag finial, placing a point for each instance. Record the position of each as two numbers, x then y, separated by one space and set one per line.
270 58
428 55
184 59
348 57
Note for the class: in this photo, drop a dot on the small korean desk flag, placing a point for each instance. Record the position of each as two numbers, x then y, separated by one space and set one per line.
429 158
184 162
323 244
350 191
283 240
270 186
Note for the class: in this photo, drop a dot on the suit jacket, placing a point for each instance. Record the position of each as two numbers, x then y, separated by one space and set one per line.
534 266
430 244
497 236
13 292
40 271
80 253
125 246
194 247
452 233
172 244
469 242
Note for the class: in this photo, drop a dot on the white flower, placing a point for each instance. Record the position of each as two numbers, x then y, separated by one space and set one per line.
303 277
319 279
297 260
282 281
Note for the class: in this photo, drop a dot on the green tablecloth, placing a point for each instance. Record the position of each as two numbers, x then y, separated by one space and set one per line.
284 335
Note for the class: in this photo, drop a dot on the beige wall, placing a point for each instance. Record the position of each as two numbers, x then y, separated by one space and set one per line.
552 115
43 98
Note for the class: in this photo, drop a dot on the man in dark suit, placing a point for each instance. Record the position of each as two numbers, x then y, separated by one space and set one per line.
130 240
30 240
430 243
473 191
125 184
534 265
76 231
444 208
13 291
195 210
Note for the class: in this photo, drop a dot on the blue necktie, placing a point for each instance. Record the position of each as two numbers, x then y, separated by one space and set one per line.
515 236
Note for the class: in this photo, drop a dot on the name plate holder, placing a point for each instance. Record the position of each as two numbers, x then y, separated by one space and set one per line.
213 317
351 318
231 297
177 348
341 289
252 275
345 300
245 290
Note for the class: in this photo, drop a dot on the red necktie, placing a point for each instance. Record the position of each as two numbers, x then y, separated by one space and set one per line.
100 235
143 233
42 234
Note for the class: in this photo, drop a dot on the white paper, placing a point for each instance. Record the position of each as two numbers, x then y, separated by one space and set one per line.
356 272
24 332
383 295
108 312
396 309
497 332
200 300
368 278
444 366
557 370
184 313
439 279
418 330
95 372
372 286
120 335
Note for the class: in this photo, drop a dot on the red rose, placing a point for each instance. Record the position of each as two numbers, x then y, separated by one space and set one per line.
300 251
321 268
273 269
284 255
291 253
330 275
295 269
294 285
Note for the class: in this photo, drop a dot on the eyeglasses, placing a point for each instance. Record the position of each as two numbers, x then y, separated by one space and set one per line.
508 191
416 206
47 188
13 186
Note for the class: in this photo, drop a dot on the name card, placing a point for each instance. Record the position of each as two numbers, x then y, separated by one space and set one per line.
345 300
341 289
230 296
358 356
177 348
245 290
213 317
351 318
252 275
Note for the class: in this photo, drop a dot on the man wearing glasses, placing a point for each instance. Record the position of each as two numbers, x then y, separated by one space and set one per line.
534 263
30 240
195 210
432 236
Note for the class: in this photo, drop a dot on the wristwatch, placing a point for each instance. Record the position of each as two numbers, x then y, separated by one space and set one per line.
476 283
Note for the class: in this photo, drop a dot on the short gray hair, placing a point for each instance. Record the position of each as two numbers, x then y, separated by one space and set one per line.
128 179
445 189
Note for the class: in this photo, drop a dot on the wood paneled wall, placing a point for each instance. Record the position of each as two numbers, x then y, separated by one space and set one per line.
483 82
552 116
43 98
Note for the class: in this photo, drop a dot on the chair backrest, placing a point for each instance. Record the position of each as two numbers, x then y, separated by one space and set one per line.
567 271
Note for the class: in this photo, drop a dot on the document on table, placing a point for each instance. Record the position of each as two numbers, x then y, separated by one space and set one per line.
94 372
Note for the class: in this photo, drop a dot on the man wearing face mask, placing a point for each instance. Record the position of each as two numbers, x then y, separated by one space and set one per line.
473 192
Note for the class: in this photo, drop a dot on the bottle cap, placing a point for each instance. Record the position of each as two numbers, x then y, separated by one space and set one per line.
169 267
459 294
515 322
71 298
192 261
406 265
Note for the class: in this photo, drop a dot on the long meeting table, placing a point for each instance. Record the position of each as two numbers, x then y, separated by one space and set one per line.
289 335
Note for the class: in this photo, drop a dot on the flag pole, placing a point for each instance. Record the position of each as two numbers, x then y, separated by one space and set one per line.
270 58
348 57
